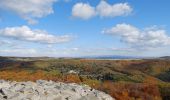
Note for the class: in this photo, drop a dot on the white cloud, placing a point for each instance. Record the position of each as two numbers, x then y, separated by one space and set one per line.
29 9
74 49
6 43
106 10
84 11
25 33
23 51
2 42
140 39
103 9
19 52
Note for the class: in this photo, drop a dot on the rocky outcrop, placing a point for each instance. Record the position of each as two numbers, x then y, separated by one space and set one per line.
48 90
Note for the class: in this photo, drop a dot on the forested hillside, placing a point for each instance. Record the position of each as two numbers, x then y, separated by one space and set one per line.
122 79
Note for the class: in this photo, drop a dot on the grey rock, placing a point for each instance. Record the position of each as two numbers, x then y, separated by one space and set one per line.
49 90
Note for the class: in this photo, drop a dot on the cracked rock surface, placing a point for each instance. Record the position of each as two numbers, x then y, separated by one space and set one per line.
48 90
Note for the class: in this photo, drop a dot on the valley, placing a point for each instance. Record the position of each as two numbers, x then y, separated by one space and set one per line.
130 79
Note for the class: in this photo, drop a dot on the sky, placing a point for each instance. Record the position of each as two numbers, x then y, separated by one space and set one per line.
75 28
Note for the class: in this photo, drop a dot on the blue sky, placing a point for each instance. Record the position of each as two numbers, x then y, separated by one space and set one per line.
63 28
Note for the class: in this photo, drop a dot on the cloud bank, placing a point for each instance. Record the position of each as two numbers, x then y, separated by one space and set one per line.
103 9
139 39
26 34
29 10
84 11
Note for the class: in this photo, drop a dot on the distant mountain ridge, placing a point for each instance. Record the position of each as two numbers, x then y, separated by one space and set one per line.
113 57
165 57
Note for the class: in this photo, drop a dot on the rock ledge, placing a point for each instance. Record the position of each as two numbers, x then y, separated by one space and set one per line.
48 90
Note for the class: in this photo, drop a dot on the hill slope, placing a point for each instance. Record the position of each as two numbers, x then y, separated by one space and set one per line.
124 76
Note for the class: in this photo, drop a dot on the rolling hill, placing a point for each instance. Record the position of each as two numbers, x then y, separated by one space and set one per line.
148 78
